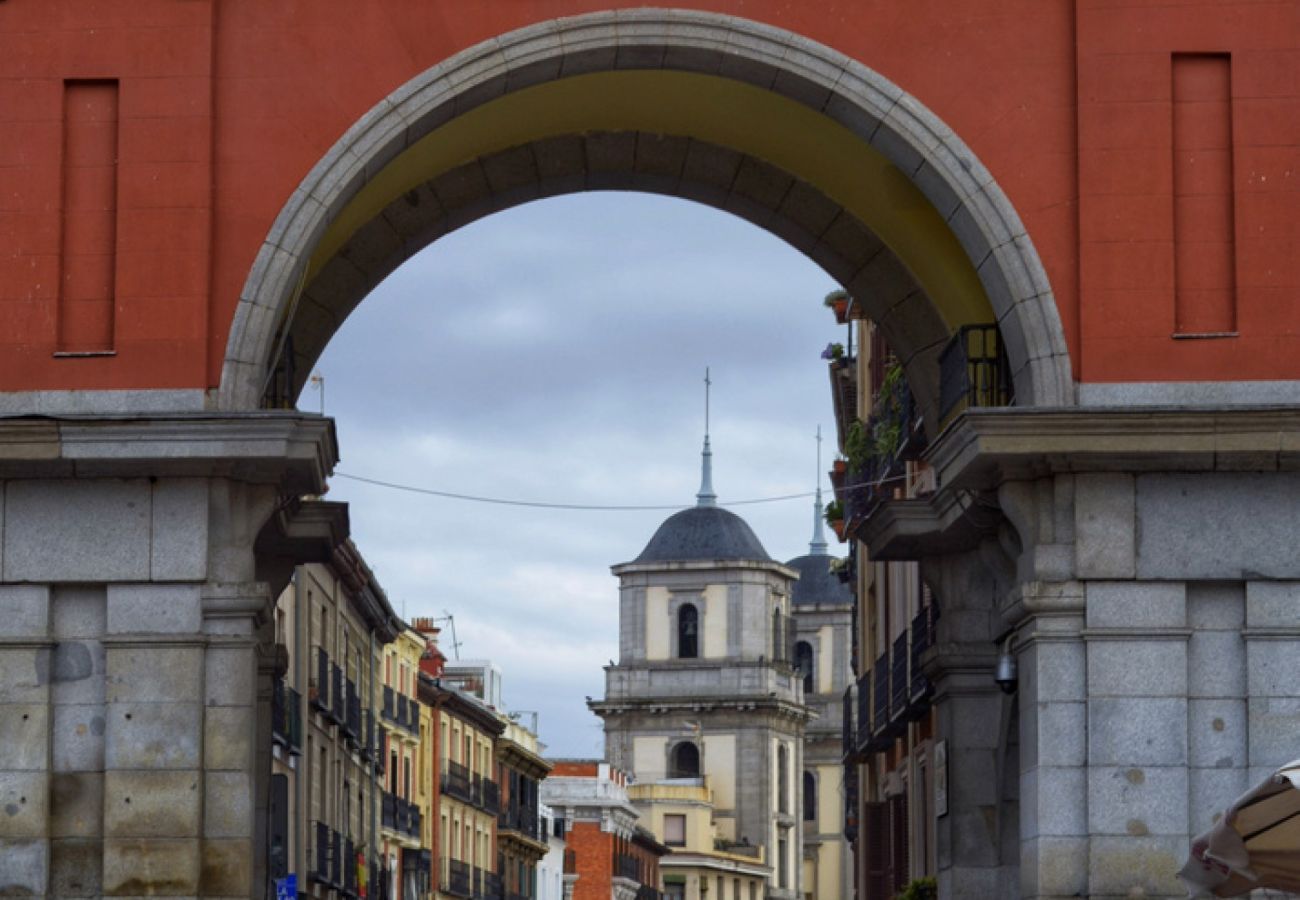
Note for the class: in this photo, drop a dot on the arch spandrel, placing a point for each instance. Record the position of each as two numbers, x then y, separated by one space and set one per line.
973 262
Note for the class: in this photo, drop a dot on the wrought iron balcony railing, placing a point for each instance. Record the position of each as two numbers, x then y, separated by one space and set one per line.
973 371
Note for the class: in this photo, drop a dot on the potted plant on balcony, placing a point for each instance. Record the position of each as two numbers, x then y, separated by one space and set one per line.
838 301
835 517
834 352
920 889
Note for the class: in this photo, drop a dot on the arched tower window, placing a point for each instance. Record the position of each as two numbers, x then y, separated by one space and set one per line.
809 797
803 661
782 779
684 761
688 632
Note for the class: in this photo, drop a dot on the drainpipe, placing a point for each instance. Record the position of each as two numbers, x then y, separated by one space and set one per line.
300 624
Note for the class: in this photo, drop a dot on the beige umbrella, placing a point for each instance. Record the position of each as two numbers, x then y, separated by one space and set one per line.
1255 845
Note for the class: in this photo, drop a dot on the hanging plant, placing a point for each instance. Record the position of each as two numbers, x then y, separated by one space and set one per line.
859 446
833 351
839 302
920 889
834 512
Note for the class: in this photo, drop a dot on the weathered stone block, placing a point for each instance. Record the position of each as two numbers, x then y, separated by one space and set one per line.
151 867
76 867
1136 604
1216 664
76 804
1218 526
24 871
24 737
1217 605
1054 671
155 674
228 805
1137 668
154 609
1054 867
24 674
179 533
24 805
228 734
154 735
1137 801
94 530
226 868
78 738
1272 667
1272 604
1104 526
1052 802
1138 731
24 611
1212 792
231 676
1274 723
1216 733
78 612
1053 734
151 804
1126 866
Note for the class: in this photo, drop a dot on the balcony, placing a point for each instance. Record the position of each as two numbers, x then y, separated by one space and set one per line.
352 712
456 782
419 863
286 717
319 861
645 892
457 879
402 706
338 710
899 678
318 691
844 393
847 731
350 887
920 689
389 703
864 712
493 888
628 867
973 371
523 819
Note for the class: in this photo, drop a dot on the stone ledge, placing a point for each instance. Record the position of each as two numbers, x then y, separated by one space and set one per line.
293 450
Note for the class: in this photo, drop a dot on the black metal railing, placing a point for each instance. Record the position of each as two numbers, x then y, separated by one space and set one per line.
844 393
457 880
336 858
524 819
627 866
279 713
899 679
973 370
646 892
352 711
403 707
922 638
320 857
493 887
349 868
318 692
293 706
880 695
864 710
456 781
338 696
389 702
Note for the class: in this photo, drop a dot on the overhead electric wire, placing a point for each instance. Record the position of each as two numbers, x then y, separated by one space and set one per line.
581 507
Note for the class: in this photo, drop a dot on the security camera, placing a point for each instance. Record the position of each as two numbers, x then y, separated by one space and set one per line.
1007 674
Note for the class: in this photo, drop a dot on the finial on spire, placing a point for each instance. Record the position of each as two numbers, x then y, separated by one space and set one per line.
706 497
818 545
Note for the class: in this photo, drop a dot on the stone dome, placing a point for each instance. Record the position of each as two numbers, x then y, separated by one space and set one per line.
817 584
703 532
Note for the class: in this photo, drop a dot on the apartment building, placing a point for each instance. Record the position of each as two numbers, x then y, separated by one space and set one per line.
407 861
332 623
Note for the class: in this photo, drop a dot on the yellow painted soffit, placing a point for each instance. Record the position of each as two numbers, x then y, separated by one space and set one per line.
732 114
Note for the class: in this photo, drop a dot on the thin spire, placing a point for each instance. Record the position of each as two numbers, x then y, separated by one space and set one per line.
818 545
706 497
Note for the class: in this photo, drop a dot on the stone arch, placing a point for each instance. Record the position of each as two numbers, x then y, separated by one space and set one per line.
934 162
684 760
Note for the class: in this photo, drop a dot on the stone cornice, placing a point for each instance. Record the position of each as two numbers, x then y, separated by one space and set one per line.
293 450
984 447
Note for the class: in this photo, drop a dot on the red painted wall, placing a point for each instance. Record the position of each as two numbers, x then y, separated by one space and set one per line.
224 107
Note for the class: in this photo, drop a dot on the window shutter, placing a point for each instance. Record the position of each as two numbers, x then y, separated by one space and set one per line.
875 838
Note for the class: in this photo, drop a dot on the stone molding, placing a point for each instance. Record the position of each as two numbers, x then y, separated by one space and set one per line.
293 450
879 112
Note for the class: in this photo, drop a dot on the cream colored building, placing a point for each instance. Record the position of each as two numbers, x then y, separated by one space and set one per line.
407 861
680 813
331 624
705 689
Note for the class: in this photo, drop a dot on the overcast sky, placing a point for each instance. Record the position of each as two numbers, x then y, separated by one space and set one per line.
556 353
